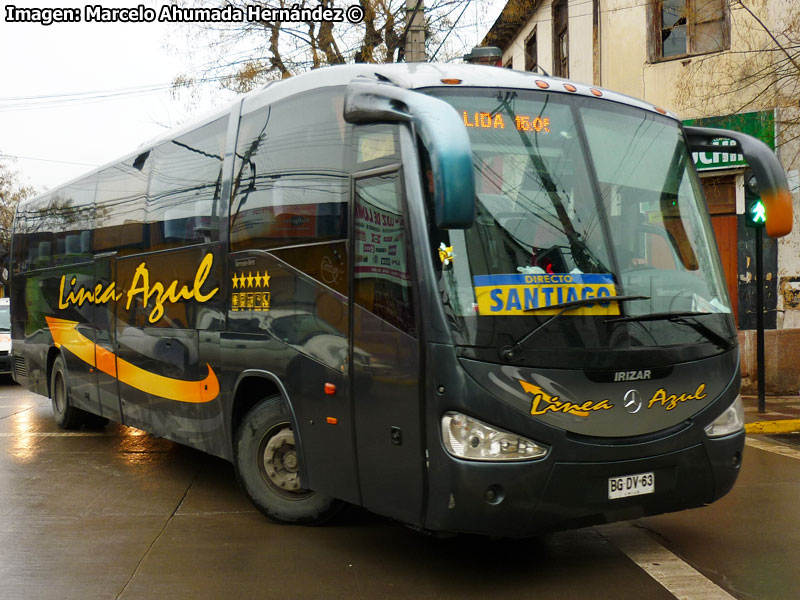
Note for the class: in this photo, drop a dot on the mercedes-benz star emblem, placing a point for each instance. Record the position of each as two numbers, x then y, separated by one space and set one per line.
632 401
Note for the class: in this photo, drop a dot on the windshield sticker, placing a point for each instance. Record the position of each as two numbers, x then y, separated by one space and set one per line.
670 401
446 255
543 293
544 403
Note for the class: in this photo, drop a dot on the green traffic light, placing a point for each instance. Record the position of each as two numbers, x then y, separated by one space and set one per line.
758 213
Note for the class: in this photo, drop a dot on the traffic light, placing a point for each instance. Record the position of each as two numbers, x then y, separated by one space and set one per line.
755 214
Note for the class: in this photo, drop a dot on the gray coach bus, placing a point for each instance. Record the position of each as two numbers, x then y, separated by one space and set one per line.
468 298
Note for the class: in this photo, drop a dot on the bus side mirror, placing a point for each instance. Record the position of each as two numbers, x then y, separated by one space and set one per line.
443 134
772 185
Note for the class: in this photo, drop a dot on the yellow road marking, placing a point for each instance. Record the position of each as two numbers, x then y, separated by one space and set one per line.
780 426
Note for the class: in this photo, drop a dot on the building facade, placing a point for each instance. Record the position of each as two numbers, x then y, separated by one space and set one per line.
720 63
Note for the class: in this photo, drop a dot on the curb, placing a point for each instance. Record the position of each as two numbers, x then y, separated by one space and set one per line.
782 426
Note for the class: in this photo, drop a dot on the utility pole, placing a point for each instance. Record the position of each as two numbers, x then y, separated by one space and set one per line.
415 24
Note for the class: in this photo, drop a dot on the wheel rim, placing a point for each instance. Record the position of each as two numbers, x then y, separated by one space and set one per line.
59 395
279 464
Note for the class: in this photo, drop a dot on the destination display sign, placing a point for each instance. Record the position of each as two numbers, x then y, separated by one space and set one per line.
487 120
517 293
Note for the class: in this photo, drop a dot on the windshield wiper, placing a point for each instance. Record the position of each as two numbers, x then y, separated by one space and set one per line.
682 317
509 352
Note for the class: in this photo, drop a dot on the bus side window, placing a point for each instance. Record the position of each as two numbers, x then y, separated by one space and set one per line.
291 187
310 211
74 208
37 226
119 208
382 269
184 195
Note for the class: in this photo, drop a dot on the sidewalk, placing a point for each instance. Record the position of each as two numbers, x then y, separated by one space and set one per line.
782 414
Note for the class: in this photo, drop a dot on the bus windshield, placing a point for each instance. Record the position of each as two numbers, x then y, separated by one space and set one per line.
580 198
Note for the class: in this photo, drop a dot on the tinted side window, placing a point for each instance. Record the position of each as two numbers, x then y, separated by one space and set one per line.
48 227
291 184
119 206
184 197
291 210
375 146
35 234
382 266
293 135
74 207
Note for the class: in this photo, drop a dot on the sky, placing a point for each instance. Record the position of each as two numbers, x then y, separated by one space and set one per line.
66 105
58 137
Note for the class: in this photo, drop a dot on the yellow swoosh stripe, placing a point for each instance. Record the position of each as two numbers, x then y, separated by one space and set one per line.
66 335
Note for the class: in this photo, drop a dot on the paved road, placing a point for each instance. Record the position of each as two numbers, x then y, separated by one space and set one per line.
119 514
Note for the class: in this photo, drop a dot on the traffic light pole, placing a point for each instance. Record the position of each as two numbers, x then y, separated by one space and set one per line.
760 319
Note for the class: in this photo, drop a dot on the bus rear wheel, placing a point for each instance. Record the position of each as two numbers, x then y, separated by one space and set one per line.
268 468
65 414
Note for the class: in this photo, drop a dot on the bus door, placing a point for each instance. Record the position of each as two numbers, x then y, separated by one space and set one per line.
103 322
384 350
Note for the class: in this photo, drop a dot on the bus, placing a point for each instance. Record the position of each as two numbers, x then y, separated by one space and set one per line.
467 298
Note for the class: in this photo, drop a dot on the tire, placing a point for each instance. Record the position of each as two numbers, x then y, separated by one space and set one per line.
267 468
67 416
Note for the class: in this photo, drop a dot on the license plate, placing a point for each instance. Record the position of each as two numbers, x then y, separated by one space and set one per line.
631 485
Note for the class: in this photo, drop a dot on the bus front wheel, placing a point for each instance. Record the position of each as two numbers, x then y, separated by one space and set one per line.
65 414
268 469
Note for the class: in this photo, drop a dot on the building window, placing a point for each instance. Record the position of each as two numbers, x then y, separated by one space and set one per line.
560 38
531 52
687 27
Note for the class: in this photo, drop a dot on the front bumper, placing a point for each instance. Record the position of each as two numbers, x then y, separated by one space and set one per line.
523 499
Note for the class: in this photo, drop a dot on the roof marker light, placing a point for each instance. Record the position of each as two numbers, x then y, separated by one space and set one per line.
450 81
596 92
661 110
570 88
542 84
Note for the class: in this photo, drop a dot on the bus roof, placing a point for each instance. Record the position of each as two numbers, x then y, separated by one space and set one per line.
406 75
425 75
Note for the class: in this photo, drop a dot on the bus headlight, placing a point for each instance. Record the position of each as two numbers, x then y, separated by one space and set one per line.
731 421
465 437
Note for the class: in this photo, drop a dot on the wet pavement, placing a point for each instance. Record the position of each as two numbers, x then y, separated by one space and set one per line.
119 514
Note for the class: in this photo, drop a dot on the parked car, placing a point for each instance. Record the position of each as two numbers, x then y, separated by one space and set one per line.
5 336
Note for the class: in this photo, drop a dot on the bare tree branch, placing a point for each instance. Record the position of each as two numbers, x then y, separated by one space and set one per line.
244 55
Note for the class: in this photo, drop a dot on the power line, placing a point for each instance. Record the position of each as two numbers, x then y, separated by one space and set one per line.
18 103
466 4
79 94
63 162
